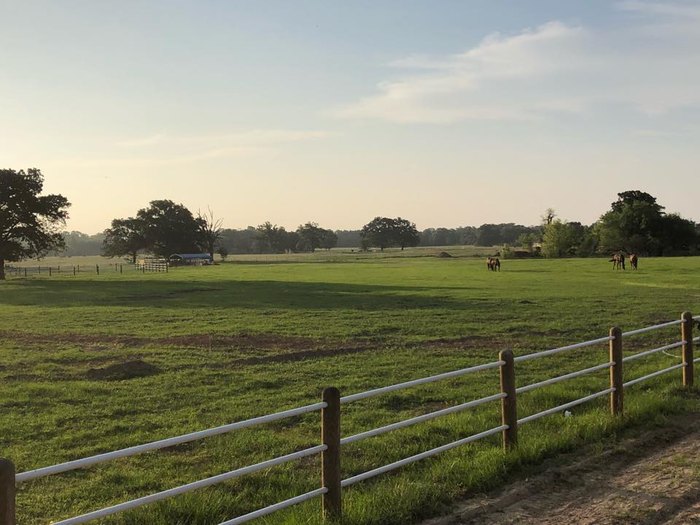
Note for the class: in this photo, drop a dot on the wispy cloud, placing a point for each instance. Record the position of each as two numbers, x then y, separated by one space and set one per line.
685 10
162 149
651 65
250 140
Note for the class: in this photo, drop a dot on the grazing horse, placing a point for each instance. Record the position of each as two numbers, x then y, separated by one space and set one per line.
618 261
492 263
634 260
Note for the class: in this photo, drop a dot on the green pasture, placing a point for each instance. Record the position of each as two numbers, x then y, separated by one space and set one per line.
91 363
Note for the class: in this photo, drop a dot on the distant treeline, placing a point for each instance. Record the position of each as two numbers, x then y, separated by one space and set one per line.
635 223
248 241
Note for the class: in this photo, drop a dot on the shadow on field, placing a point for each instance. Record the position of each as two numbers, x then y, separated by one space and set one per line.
233 294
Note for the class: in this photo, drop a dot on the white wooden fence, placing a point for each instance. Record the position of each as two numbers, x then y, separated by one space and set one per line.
332 442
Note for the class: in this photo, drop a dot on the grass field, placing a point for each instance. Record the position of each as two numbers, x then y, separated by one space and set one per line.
94 363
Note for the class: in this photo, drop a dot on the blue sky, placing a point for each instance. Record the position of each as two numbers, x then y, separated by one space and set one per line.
446 113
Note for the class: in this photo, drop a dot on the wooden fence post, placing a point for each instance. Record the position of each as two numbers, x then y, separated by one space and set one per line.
687 336
616 375
509 411
7 492
97 269
330 458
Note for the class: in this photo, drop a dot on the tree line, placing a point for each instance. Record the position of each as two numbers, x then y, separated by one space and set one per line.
31 226
635 223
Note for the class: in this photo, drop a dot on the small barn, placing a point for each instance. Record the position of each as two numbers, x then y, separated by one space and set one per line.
194 259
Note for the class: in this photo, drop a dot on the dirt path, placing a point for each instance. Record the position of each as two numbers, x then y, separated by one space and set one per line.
649 479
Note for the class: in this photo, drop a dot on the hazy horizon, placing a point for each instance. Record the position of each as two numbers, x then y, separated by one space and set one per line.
451 115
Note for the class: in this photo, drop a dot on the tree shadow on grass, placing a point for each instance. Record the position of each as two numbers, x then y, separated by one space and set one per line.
264 295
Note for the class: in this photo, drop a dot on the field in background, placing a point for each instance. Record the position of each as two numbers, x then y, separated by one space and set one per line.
336 254
94 363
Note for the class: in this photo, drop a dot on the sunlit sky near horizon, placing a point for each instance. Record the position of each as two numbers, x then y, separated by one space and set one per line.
446 113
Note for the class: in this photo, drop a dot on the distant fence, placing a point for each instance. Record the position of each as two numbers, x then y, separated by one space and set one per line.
332 442
153 265
143 266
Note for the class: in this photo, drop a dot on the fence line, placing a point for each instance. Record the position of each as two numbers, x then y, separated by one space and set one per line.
164 443
545 353
412 459
183 489
422 381
143 266
330 449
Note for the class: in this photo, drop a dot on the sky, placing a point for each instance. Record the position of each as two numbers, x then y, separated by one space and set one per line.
446 113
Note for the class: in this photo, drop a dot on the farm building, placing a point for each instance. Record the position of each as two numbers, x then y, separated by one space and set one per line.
196 259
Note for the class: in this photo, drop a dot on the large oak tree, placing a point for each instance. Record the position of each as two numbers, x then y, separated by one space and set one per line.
30 223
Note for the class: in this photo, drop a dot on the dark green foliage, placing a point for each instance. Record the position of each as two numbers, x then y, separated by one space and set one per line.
271 238
164 228
125 237
384 232
406 233
379 232
636 223
239 241
310 236
169 228
29 222
329 239
495 234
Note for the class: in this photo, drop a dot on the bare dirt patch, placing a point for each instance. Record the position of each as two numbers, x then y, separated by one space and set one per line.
121 371
189 341
652 478
265 347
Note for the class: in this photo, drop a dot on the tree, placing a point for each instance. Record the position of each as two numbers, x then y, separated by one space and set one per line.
527 241
271 238
125 237
169 228
549 216
329 239
378 232
311 235
405 233
633 224
29 222
679 236
78 243
209 232
489 235
558 239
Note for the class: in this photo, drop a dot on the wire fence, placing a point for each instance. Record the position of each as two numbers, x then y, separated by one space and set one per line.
332 442
43 271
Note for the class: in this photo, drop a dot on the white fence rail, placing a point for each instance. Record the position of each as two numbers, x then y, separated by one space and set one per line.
330 449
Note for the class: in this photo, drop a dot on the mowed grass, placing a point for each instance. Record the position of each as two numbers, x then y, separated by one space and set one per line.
213 345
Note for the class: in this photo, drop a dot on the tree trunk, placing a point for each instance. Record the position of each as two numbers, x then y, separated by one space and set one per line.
2 269
133 258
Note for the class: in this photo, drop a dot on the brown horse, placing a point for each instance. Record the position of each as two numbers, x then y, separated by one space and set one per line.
634 260
493 264
618 261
